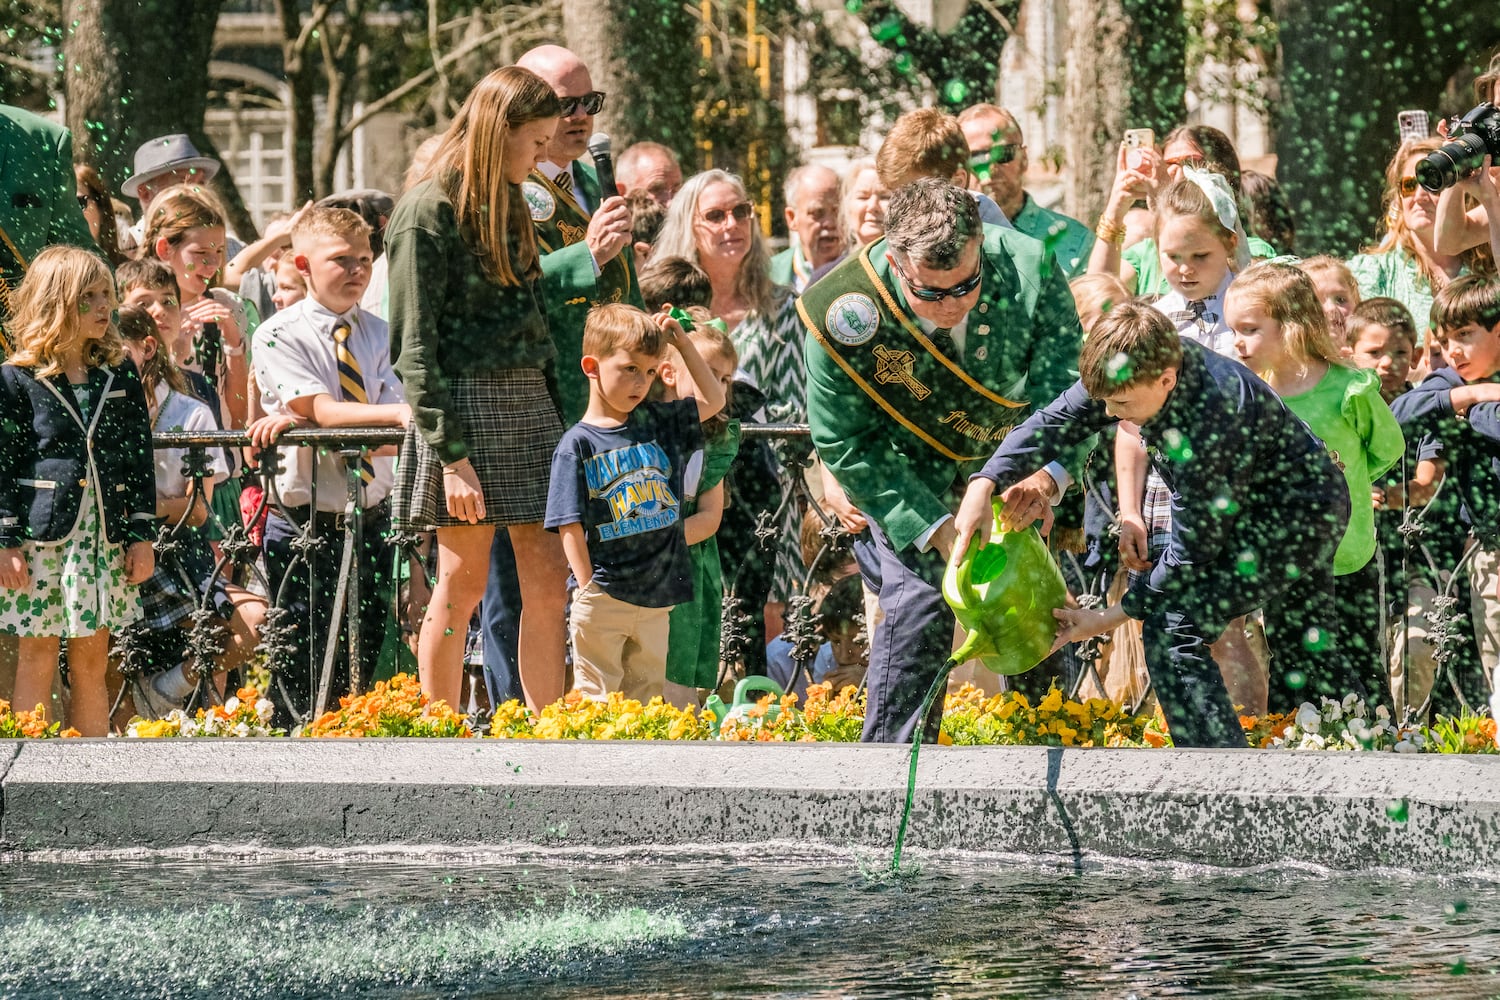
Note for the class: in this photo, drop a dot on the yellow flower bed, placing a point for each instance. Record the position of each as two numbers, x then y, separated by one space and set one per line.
970 718
246 713
31 725
396 707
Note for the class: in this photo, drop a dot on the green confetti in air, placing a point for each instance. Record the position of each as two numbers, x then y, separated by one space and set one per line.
955 92
1176 445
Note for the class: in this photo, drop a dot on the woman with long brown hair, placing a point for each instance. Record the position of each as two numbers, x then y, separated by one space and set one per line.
471 345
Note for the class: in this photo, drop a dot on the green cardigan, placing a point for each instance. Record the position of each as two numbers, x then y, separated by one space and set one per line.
449 318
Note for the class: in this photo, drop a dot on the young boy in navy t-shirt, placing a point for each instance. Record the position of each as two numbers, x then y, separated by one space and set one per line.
615 497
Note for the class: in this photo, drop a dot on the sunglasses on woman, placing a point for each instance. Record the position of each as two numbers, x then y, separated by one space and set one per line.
591 104
1408 186
929 294
741 212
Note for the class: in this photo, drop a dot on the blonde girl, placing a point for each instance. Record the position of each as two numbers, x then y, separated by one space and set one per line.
185 230
1281 333
471 345
1199 246
1338 293
76 494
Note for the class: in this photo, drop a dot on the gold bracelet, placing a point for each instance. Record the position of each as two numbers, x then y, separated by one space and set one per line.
1110 231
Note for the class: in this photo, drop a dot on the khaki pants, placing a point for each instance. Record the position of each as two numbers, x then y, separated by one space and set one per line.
1411 682
1484 606
617 646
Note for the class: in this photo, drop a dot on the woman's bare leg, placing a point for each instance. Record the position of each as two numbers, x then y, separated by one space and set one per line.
544 596
463 568
36 667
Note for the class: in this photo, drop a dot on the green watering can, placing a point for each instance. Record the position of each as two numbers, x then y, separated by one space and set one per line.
1004 593
743 701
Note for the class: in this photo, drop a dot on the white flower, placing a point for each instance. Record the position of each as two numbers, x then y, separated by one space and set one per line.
1350 699
1308 718
232 705
242 730
1312 741
1406 746
1382 713
264 710
1332 710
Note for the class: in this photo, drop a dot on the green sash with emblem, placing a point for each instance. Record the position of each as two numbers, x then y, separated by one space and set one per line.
882 349
560 222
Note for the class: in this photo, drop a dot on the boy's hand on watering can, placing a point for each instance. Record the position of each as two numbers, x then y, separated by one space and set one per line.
1075 624
974 515
1028 500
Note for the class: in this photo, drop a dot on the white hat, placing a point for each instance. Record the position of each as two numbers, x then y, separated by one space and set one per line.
164 154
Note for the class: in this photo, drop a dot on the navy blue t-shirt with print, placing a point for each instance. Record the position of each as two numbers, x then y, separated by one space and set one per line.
624 485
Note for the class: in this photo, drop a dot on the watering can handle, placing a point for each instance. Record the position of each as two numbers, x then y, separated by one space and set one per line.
755 683
963 578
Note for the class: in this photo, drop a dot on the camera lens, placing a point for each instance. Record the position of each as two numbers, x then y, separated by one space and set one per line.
1455 161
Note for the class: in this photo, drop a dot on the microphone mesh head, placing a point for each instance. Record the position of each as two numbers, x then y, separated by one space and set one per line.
599 144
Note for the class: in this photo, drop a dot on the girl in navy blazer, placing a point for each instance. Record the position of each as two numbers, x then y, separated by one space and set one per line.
77 493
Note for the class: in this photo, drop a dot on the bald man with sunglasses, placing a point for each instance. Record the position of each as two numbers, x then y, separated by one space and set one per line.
923 350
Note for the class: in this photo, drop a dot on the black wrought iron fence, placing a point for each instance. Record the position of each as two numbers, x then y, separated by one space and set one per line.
327 545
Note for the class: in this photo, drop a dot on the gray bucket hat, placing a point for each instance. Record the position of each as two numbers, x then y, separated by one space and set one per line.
166 153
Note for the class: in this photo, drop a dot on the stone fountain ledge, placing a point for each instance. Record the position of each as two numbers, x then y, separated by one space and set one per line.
1423 813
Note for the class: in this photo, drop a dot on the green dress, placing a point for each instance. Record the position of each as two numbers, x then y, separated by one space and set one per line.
693 639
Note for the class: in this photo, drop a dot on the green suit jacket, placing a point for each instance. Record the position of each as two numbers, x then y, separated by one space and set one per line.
1022 341
38 206
569 286
781 268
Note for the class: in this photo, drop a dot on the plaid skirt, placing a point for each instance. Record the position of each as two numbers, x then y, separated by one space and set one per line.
511 427
178 584
1156 512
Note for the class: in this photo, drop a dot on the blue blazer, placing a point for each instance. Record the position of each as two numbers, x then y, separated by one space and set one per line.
49 450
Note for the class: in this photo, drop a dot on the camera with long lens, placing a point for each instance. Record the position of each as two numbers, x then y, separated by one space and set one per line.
1472 138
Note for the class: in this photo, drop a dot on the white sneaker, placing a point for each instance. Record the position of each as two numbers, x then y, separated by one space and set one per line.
151 703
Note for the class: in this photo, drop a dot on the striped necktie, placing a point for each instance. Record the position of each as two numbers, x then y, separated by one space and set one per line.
564 182
352 387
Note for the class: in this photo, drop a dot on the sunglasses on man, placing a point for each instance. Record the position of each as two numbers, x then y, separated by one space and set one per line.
929 294
982 161
590 104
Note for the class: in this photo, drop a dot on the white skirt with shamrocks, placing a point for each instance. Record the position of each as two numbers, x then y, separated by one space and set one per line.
77 585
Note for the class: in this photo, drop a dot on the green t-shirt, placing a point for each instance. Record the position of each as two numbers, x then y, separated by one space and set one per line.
1346 412
1149 279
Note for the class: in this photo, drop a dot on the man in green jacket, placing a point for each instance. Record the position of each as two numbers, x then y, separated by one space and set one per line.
580 230
923 350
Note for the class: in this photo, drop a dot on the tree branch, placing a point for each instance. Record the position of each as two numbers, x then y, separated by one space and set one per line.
378 105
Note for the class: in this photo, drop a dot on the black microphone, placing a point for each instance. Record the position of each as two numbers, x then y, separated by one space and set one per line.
604 166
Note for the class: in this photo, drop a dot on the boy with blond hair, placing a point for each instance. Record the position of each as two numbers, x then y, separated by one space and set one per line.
326 362
616 497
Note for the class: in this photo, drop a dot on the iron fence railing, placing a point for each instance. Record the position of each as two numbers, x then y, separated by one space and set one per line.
237 560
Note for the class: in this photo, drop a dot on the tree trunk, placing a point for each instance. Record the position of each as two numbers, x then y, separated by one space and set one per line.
1126 69
1345 75
134 79
644 56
